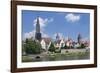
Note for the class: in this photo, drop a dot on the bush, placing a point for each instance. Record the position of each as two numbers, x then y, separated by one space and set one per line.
57 50
81 46
52 48
67 47
32 47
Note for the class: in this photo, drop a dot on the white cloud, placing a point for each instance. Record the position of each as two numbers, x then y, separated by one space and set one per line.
43 22
44 34
51 20
29 34
72 17
32 35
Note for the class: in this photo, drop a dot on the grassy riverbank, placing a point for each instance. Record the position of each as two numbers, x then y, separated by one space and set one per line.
80 55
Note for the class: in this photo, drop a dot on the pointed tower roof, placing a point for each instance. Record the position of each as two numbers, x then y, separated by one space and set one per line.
38 25
38 34
79 36
57 36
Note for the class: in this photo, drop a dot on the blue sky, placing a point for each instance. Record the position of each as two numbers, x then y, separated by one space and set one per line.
66 24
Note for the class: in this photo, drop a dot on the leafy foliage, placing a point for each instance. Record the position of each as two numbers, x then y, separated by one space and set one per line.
32 47
82 46
52 48
65 47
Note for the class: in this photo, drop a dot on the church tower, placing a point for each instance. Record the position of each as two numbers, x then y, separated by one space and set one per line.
37 33
79 38
57 37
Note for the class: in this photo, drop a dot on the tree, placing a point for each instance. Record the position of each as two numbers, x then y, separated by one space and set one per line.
32 47
52 48
37 47
65 47
57 50
83 46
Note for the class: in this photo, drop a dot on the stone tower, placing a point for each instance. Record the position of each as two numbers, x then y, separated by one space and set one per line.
79 38
57 37
37 33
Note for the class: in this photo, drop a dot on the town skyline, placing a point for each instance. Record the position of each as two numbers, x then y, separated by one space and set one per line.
52 23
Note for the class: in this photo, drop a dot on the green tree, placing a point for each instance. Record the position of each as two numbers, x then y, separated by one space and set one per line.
83 46
65 47
32 47
57 50
52 48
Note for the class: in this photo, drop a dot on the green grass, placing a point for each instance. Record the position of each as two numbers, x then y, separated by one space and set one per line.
59 56
26 59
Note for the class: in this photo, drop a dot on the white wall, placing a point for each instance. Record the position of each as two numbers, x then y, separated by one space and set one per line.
5 36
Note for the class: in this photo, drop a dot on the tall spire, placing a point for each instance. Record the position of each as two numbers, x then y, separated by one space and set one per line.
57 36
79 38
38 34
38 26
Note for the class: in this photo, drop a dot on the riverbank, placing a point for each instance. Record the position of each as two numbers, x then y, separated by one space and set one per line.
68 54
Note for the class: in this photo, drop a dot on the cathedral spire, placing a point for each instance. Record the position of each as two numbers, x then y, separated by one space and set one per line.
37 33
79 38
57 36
37 25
